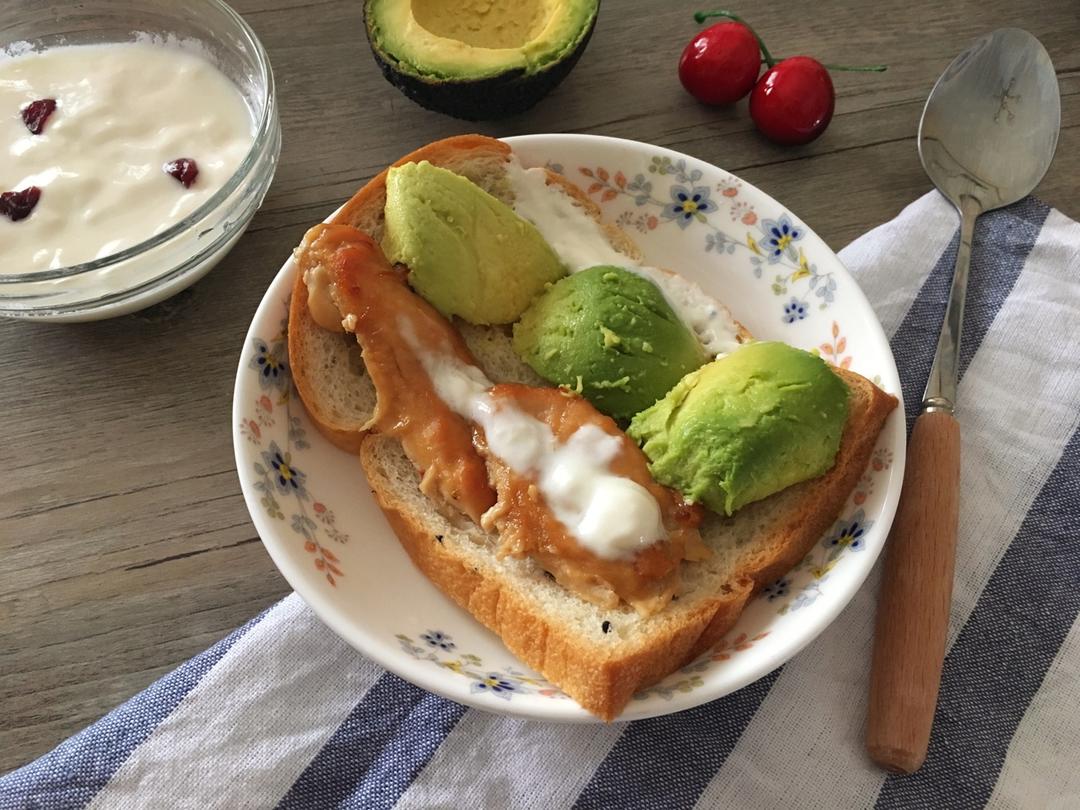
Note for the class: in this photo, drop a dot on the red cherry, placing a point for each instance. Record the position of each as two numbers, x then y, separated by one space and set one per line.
720 64
793 101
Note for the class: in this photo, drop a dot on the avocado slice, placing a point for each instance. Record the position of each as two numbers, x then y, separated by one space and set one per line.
478 59
746 425
612 335
467 252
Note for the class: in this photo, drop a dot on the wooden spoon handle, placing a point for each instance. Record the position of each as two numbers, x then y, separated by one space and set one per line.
916 590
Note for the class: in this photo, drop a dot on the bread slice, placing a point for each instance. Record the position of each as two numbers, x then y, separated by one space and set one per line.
601 657
327 367
598 656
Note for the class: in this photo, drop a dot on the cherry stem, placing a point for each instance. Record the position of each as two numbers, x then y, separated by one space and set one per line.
702 16
851 68
859 68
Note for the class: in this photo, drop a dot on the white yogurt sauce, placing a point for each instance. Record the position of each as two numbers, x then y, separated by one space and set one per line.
123 110
610 515
579 242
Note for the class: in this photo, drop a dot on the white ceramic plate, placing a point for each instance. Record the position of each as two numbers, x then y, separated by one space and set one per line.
316 517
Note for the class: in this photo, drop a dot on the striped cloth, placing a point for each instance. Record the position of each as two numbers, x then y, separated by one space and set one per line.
282 713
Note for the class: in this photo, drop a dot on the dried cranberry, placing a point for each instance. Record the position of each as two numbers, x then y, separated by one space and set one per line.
36 113
183 169
16 205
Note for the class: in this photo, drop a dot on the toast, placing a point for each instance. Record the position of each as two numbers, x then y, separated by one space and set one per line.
327 367
599 656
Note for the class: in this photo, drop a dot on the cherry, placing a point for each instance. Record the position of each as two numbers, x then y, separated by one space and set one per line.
183 169
36 113
720 64
793 102
16 205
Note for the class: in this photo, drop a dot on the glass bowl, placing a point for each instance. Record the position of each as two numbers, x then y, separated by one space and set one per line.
161 266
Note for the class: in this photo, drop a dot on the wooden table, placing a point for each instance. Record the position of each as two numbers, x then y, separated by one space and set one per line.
125 546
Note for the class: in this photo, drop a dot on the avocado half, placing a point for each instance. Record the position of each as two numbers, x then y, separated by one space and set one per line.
478 59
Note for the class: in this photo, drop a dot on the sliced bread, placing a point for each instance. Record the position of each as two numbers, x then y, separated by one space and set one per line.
599 656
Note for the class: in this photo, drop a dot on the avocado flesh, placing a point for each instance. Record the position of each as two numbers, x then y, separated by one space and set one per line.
478 59
482 23
467 252
745 426
611 335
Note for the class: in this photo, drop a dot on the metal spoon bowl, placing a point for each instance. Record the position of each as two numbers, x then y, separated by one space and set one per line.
990 126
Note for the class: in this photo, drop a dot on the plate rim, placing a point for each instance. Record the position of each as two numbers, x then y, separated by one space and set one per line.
433 679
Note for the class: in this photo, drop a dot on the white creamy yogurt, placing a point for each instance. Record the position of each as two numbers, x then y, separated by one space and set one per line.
610 515
123 111
575 237
708 319
580 243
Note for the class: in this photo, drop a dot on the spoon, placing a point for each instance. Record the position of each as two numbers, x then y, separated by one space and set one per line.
986 138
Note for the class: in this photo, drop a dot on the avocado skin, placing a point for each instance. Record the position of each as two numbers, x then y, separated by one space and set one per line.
487 99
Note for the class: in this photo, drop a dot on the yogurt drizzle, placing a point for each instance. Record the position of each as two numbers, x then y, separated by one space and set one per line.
581 243
610 515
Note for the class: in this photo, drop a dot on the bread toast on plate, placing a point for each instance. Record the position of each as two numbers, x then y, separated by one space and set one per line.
598 655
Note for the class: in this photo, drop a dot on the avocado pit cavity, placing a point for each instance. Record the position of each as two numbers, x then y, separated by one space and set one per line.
483 23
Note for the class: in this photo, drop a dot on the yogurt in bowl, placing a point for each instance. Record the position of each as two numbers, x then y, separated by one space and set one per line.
122 141
130 162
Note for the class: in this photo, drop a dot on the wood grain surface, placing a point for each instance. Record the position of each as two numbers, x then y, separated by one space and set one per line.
125 547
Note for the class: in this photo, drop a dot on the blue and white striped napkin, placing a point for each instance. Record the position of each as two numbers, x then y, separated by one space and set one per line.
282 713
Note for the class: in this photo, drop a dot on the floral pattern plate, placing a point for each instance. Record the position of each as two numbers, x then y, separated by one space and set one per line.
322 528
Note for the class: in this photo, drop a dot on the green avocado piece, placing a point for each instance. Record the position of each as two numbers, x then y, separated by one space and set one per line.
610 334
467 252
745 426
477 59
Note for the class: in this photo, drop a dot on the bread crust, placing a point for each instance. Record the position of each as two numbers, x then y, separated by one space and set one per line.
601 684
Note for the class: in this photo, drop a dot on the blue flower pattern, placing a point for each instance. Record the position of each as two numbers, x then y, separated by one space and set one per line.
435 638
494 683
780 238
777 590
288 479
688 205
795 310
504 684
691 201
269 361
848 534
